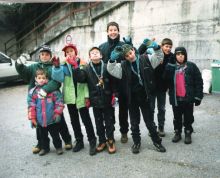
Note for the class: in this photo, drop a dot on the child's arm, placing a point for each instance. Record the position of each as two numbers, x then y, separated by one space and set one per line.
26 72
32 115
58 74
80 75
198 84
59 106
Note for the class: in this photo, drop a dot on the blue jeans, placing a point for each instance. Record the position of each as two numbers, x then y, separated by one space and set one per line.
161 103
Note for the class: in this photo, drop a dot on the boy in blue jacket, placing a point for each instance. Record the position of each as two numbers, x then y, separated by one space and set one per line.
45 113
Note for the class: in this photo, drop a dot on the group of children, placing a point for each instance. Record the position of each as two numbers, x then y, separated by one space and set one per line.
115 69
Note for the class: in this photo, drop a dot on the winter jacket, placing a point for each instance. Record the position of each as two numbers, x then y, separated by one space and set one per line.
74 92
100 97
193 82
28 74
123 71
44 110
107 47
161 85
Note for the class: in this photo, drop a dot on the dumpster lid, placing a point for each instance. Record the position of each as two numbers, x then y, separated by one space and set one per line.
215 63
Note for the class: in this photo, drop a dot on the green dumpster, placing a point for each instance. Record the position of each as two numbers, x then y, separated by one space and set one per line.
215 76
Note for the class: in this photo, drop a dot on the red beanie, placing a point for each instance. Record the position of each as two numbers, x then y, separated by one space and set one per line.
70 46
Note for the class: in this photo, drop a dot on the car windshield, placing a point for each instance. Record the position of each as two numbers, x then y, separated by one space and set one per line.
4 58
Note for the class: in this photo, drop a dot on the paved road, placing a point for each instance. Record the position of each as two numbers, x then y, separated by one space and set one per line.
200 159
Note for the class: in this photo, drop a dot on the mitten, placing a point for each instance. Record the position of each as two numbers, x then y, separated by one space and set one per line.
33 123
128 40
42 93
114 101
23 58
116 53
87 102
56 62
197 102
153 45
72 61
147 42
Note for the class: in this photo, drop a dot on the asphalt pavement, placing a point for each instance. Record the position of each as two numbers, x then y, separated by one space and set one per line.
199 159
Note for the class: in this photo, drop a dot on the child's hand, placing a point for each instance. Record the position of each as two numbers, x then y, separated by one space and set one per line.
57 118
87 102
116 53
56 62
128 40
33 123
197 102
72 61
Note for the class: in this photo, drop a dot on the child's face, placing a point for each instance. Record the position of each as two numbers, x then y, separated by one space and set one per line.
112 32
70 52
95 56
180 57
130 55
45 56
41 79
166 48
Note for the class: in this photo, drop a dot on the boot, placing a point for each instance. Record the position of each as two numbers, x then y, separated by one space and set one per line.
101 147
44 152
111 146
68 145
161 132
36 149
160 147
59 151
79 145
188 139
136 148
92 149
124 138
177 137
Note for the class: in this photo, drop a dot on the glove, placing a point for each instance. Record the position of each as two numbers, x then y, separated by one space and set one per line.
116 53
114 101
150 51
87 102
197 102
42 93
154 45
33 123
128 40
73 62
23 58
150 43
56 62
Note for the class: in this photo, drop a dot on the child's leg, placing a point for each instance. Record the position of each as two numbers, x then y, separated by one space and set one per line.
37 148
64 132
100 128
188 117
45 141
74 117
109 123
84 113
178 118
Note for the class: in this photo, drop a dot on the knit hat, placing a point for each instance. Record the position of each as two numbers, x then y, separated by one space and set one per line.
181 50
70 45
126 48
46 49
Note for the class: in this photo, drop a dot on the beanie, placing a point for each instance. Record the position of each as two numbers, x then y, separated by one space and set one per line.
126 48
70 46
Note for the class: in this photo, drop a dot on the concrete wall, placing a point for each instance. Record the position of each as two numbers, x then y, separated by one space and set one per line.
194 24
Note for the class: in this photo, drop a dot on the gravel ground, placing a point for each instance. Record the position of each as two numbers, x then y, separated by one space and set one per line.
199 159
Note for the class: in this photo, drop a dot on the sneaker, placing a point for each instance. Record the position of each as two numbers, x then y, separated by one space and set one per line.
59 151
159 147
188 139
100 147
36 149
92 149
177 137
68 146
161 132
44 152
124 138
136 148
111 147
79 145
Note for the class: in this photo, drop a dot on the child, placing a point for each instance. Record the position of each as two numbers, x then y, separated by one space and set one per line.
100 93
44 113
28 74
161 86
75 96
113 40
136 73
185 88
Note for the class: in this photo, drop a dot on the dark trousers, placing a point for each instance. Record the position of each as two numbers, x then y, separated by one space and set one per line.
161 102
53 129
63 129
123 115
74 116
104 123
183 116
134 111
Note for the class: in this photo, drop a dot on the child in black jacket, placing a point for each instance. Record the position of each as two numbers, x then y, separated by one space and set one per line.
185 89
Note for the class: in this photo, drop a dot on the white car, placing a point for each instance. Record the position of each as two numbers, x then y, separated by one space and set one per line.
7 69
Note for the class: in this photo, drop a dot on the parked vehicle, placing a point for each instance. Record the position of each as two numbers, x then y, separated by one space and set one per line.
8 72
